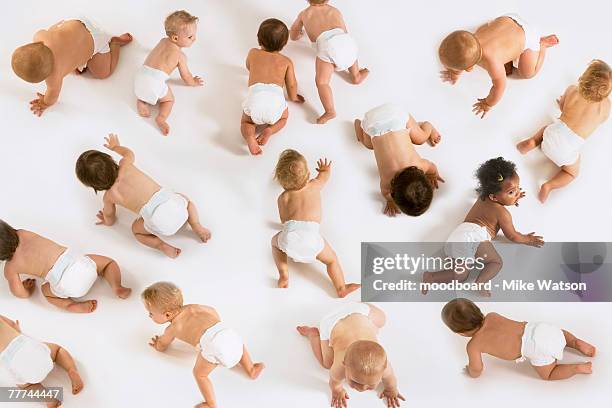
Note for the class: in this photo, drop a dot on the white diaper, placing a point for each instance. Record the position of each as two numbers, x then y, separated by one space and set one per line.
165 213
221 345
337 47
28 360
72 276
301 240
329 322
464 240
542 344
384 119
150 84
265 103
100 38
532 36
561 144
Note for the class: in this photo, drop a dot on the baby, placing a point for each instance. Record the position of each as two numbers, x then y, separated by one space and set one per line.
507 339
162 212
583 108
67 274
495 46
345 343
201 327
30 361
406 180
299 207
269 71
336 49
150 83
68 46
498 188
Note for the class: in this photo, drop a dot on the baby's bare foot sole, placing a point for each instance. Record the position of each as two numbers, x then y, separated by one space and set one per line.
435 138
283 283
83 307
526 146
351 287
170 251
308 331
585 368
256 371
123 293
143 109
327 116
202 233
585 348
163 126
254 148
77 382
363 74
123 39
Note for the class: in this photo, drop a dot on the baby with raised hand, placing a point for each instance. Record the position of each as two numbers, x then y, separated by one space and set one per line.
161 211
584 107
150 82
346 344
73 45
201 327
67 274
336 49
496 46
500 337
407 181
299 208
269 72
30 361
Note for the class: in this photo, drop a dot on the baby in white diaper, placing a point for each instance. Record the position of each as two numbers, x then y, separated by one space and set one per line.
269 72
201 327
30 361
150 83
67 275
540 343
584 107
346 344
336 49
299 207
162 212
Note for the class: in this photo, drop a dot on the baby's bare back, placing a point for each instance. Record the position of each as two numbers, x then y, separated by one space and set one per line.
485 213
301 205
500 337
7 334
349 330
394 151
502 40
165 56
132 189
582 116
34 256
267 67
193 321
318 19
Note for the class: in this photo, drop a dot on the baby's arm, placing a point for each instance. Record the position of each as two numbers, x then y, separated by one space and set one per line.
18 288
297 28
475 366
324 170
186 75
113 144
50 97
391 209
336 377
497 73
161 343
108 214
506 225
431 171
13 324
390 391
291 84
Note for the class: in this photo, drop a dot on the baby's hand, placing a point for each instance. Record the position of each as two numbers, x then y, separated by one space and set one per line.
481 107
299 99
391 209
549 41
197 81
112 141
534 240
434 179
29 285
323 165
339 398
521 195
450 76
38 105
155 343
393 397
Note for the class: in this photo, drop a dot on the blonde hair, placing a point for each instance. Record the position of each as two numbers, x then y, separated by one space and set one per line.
596 82
365 358
163 296
33 62
291 170
177 21
460 50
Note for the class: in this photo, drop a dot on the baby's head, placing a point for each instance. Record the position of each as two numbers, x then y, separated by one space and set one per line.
291 170
364 365
33 62
181 28
162 300
9 241
273 35
595 83
460 51
411 191
462 316
97 170
498 181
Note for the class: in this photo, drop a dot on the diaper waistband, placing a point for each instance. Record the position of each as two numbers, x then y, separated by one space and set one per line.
63 262
294 225
157 199
12 349
154 72
326 35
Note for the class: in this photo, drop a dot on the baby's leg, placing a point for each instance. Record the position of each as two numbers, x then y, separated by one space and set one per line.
421 132
531 143
443 276
377 316
272 129
165 107
146 238
110 272
143 108
321 350
362 136
280 259
566 175
201 371
247 128
194 222
324 72
358 75
557 371
577 344
492 264
103 65
38 388
63 358
68 304
334 270
531 61
253 370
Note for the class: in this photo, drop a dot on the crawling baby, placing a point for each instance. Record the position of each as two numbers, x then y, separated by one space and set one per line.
73 45
67 274
496 335
162 212
346 344
201 327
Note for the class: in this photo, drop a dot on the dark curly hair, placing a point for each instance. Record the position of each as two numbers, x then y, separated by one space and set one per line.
9 241
412 191
491 174
97 170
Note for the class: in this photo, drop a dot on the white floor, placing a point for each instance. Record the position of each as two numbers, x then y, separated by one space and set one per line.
205 158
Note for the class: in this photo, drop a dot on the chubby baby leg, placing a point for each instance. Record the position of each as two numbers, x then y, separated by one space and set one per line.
101 66
280 259
529 144
63 358
68 304
143 108
321 349
377 316
557 371
165 107
566 175
362 136
146 238
421 132
324 72
577 344
252 369
328 257
53 403
194 222
272 129
492 264
358 75
247 129
201 371
531 61
109 270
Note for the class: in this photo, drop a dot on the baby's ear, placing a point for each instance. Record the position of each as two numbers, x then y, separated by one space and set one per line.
493 197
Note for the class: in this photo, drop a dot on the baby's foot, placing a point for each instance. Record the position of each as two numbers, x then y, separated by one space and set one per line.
143 109
254 147
526 145
584 368
544 192
308 331
201 232
77 382
358 130
283 282
264 136
351 287
123 39
426 279
123 293
434 138
54 403
83 307
202 405
163 125
256 370
324 118
585 348
549 41
359 78
484 293
169 250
